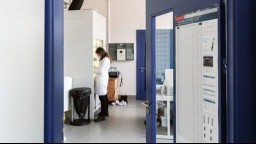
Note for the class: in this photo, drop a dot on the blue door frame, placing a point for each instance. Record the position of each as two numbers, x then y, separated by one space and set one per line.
54 77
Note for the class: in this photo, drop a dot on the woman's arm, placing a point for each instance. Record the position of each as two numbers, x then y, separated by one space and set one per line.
103 66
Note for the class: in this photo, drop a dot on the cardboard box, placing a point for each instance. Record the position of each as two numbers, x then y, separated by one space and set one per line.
113 89
112 83
112 95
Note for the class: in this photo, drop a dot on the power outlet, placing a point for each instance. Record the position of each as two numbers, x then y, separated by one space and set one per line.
208 128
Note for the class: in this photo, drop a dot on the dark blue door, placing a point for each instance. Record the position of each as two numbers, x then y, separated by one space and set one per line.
179 7
141 65
241 71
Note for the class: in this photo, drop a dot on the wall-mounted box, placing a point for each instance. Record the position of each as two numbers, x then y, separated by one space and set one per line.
121 51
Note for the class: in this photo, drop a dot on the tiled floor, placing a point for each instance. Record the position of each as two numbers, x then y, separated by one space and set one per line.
125 125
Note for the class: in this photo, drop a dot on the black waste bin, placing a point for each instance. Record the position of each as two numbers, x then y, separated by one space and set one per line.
81 102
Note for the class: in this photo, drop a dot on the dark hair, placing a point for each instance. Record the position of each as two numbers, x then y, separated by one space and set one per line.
101 51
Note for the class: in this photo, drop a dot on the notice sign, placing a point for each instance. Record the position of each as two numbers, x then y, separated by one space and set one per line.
197 57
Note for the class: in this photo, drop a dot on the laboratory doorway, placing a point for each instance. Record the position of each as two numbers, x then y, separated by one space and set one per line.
131 116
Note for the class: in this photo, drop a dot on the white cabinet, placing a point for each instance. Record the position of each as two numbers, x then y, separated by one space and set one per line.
67 88
84 30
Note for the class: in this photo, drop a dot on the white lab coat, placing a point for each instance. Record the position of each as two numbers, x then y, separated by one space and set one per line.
102 77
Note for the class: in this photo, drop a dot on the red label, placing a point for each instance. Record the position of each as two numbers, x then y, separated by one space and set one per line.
179 18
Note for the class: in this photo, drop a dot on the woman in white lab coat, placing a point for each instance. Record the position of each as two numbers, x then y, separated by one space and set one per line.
102 82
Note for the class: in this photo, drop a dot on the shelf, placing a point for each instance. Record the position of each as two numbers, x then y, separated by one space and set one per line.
160 97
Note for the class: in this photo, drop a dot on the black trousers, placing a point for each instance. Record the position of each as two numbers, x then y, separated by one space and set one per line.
104 105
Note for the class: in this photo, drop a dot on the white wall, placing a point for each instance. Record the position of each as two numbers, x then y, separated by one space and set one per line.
98 5
22 71
126 16
164 21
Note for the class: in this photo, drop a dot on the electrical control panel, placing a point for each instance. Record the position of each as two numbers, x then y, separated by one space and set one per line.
121 51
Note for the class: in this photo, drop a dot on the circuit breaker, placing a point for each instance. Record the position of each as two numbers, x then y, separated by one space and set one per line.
121 51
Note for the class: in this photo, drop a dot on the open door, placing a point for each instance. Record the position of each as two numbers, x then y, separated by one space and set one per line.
199 74
199 93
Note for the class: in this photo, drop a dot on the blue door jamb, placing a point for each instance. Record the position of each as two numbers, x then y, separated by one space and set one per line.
54 77
141 85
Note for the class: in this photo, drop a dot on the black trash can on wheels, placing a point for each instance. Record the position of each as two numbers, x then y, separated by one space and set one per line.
80 102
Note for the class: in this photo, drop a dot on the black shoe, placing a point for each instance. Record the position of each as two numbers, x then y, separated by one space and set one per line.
107 115
100 118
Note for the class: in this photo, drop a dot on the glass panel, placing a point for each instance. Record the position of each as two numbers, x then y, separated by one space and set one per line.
164 38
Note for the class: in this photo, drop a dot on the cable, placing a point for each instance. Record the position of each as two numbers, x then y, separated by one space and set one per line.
121 83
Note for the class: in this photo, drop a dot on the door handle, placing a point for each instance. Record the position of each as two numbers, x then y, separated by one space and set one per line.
148 107
142 69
